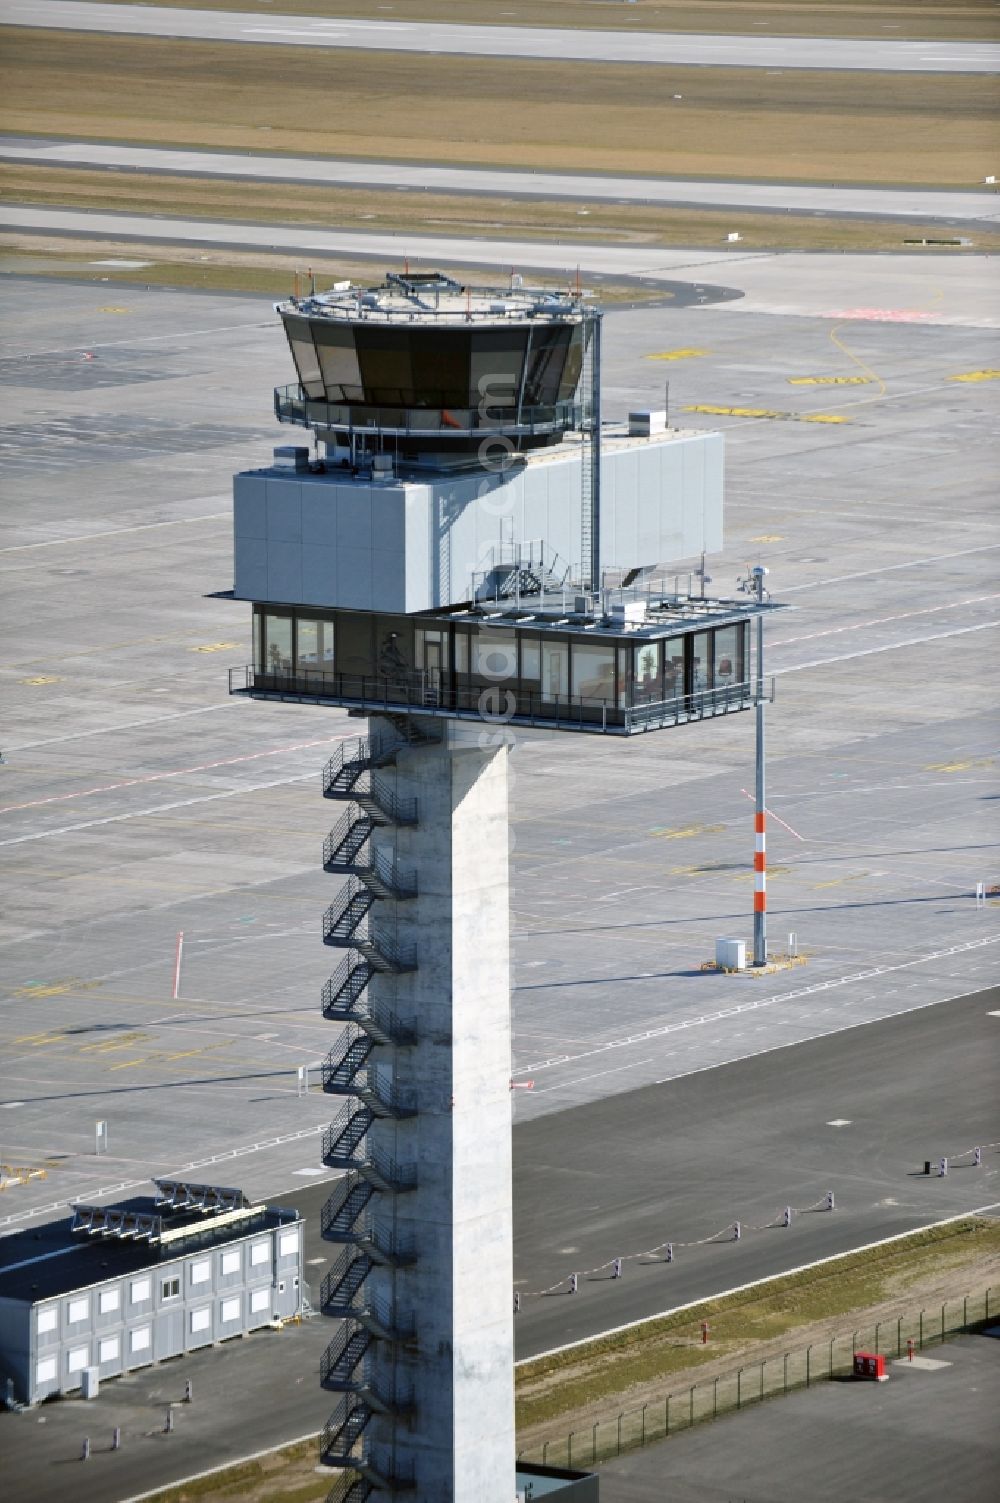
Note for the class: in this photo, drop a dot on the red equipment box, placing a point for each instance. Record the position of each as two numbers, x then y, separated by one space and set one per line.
869 1365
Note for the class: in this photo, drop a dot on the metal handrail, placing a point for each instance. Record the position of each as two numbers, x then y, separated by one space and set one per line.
420 413
406 694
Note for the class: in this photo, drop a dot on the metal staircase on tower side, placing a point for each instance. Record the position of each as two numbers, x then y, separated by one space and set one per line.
360 1363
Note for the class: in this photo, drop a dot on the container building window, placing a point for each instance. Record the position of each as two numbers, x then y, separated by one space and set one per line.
108 1300
48 1320
138 1339
140 1291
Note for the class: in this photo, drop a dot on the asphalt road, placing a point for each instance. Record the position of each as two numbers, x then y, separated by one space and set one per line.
879 203
514 41
926 1433
599 1180
857 1113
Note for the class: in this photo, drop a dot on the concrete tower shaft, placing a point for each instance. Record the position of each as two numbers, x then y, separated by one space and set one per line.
424 1360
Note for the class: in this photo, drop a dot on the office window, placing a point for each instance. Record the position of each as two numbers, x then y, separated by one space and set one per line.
108 1349
260 1252
230 1309
461 652
231 1262
170 1288
646 668
277 644
531 658
77 1359
79 1309
108 1300
45 1370
48 1320
201 1320
288 1242
494 656
701 661
313 645
594 671
140 1291
201 1271
260 1299
727 656
555 670
139 1339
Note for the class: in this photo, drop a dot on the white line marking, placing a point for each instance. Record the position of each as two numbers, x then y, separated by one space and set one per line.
755 1005
756 1284
129 725
114 532
180 772
929 610
579 1079
111 344
185 803
868 652
917 563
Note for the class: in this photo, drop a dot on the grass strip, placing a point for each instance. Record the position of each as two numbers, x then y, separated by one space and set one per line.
79 260
463 214
285 1476
608 1369
974 20
832 127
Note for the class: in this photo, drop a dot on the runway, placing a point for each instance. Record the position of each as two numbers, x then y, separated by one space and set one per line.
857 1113
953 208
511 41
883 287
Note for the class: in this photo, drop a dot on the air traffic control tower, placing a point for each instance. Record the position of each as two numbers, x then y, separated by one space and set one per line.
465 554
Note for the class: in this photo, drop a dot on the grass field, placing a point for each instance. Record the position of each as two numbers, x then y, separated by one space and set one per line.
968 20
933 1265
472 215
729 122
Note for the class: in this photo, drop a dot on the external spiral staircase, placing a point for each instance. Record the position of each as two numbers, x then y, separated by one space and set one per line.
360 1363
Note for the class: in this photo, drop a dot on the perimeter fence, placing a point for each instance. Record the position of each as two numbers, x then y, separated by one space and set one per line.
755 1381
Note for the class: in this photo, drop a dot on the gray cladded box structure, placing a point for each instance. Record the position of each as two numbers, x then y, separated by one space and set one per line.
469 553
385 542
119 1287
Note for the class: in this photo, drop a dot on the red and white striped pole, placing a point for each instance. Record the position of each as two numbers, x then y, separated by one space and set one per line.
760 852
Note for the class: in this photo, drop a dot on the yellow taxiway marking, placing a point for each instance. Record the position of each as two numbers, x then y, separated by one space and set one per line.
108 1046
111 308
767 412
684 832
829 380
40 1039
677 354
959 766
976 376
54 988
216 647
767 537
837 881
41 678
